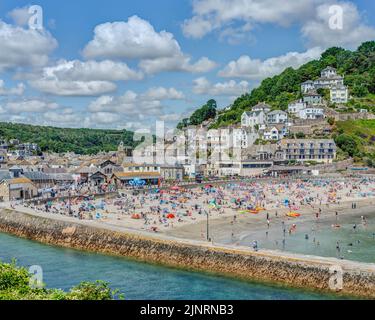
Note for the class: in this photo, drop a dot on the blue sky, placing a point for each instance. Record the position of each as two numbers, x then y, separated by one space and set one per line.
125 64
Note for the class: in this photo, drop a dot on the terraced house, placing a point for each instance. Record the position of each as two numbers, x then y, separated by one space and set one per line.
303 150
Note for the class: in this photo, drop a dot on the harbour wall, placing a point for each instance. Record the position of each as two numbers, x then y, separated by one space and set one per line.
283 269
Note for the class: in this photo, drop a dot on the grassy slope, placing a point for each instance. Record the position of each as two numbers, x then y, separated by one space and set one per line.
362 131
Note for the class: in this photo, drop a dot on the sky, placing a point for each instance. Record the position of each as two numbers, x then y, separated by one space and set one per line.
126 64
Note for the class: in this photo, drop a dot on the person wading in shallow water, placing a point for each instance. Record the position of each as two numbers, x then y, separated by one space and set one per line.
338 249
255 245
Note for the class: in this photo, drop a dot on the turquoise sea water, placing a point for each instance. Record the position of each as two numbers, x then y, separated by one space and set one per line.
355 244
64 268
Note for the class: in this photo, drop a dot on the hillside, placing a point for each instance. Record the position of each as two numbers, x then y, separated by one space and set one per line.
358 67
357 139
80 141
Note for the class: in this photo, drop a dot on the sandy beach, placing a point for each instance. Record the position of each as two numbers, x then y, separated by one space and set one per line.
248 209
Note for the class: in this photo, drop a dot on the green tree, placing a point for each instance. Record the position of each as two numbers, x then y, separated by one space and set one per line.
347 144
204 113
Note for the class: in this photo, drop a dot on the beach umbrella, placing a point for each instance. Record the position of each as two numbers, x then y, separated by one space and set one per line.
171 216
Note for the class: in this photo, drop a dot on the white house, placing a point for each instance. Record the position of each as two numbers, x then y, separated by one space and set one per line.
307 86
296 107
312 97
277 116
271 133
262 107
329 78
339 94
253 118
244 137
328 72
311 113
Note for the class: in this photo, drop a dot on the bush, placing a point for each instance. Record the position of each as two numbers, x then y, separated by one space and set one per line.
348 144
300 135
331 121
15 285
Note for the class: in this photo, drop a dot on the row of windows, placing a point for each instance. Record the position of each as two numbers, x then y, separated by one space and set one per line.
310 157
256 165
311 145
145 168
312 151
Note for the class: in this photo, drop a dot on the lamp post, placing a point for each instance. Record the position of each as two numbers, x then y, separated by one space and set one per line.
69 203
208 227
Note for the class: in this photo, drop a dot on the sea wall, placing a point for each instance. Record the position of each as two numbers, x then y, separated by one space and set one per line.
291 271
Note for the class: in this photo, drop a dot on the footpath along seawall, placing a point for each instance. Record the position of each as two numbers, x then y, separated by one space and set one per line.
267 266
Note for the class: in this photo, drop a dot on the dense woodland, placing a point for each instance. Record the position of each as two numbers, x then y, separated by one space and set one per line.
80 141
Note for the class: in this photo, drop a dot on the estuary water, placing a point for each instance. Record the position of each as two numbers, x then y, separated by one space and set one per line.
64 268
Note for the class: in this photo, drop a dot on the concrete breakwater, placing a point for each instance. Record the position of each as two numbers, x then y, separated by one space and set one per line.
273 267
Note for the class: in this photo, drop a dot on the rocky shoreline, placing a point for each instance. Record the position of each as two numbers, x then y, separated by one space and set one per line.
267 266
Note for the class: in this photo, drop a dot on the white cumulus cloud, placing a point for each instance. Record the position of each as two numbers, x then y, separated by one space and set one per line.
178 63
17 91
30 105
134 39
21 47
319 32
312 17
256 69
78 78
230 88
